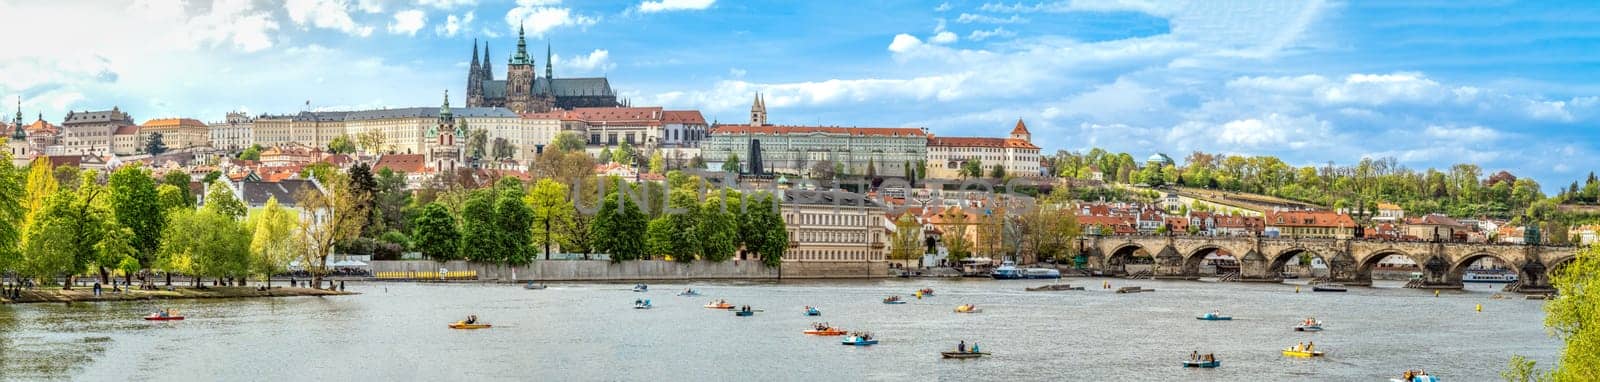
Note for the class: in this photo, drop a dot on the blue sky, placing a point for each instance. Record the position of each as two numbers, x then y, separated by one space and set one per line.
1507 85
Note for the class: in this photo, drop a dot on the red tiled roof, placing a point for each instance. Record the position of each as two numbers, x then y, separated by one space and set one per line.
1020 129
65 160
1309 219
1434 219
41 126
619 115
406 163
980 142
855 131
686 117
174 122
126 130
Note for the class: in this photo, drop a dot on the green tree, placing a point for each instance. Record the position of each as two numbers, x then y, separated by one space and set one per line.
479 241
478 143
272 242
905 243
602 228
341 145
999 172
435 234
658 237
658 164
251 153
169 197
684 238
12 188
155 145
205 243
319 171
624 154
567 141
1572 318
762 230
972 168
331 215
180 180
63 237
732 164
604 156
718 226
955 224
631 225
137 207
220 199
552 209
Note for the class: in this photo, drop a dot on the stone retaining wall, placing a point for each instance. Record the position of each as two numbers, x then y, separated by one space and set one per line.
600 270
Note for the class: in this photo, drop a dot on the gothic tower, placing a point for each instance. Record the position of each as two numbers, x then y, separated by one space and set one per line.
1021 132
445 153
475 79
488 69
519 78
758 112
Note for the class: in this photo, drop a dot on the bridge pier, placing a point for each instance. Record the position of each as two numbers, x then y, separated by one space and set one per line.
1096 260
1342 269
1254 267
1169 266
1436 275
1532 278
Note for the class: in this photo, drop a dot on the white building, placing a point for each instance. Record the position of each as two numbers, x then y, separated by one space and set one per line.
234 133
1017 154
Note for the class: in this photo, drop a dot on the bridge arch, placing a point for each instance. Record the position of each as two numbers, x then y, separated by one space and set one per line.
1458 270
1122 254
1283 257
1197 256
1560 264
1372 260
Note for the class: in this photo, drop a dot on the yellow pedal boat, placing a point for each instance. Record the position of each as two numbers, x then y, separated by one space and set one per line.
1301 353
464 325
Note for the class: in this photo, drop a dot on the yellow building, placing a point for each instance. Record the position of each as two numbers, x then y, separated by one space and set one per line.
177 133
1017 154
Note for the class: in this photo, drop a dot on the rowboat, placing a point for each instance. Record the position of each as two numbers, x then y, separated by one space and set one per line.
969 308
858 341
464 325
641 288
723 305
531 285
1202 364
1053 287
893 300
1214 317
962 354
1301 353
1308 328
744 313
826 332
813 312
157 317
689 293
1415 376
643 306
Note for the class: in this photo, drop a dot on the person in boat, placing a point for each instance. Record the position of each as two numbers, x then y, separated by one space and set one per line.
1300 346
961 347
1211 357
1310 346
1194 356
472 319
638 301
975 347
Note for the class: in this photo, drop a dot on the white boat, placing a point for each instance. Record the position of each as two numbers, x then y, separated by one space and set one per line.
1007 270
1040 273
1489 276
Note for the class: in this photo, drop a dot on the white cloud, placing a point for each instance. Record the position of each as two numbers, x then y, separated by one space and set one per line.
674 5
1548 110
447 4
370 6
325 14
945 6
904 43
453 24
736 72
997 32
1158 8
540 16
1465 134
597 61
408 22
968 18
943 38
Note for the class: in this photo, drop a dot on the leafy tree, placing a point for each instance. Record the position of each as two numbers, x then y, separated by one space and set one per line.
732 164
1572 317
371 141
390 202
905 243
718 227
251 153
999 172
684 239
697 162
63 235
658 237
478 143
605 155
155 145
551 208
631 225
435 234
478 232
205 243
568 141
332 215
272 242
12 186
972 168
137 207
762 229
180 180
502 149
220 199
624 154
658 164
170 197
212 177
341 145
319 171
955 225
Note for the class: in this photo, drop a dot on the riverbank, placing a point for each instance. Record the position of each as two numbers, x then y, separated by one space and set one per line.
52 294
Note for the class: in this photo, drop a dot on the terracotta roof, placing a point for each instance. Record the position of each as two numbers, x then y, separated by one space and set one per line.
406 163
855 131
980 142
614 115
1434 219
174 122
65 160
338 160
1020 129
126 130
1388 206
41 126
1309 219
686 117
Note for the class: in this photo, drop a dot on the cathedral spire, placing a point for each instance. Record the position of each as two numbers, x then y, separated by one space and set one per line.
444 110
549 72
521 57
18 133
474 55
488 66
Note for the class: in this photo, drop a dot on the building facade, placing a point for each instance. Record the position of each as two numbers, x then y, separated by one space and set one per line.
89 132
177 133
833 227
1016 153
1310 224
524 91
307 128
126 141
233 133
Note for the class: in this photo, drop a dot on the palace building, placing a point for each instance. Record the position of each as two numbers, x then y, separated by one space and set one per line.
813 150
1016 154
524 91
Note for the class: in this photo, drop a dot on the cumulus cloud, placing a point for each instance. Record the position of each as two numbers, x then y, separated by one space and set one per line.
1468 134
654 6
541 16
453 24
944 37
408 22
904 43
945 6
597 61
325 14
447 4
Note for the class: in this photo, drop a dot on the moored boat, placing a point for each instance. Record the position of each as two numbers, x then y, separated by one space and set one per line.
641 288
1006 271
860 340
1489 276
962 354
1041 273
1053 287
531 285
1328 288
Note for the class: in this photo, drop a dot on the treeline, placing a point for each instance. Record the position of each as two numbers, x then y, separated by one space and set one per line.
1463 190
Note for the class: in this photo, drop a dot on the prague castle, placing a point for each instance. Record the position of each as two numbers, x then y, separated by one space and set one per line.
524 91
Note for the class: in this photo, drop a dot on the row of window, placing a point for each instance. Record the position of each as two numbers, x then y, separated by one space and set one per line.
831 219
833 255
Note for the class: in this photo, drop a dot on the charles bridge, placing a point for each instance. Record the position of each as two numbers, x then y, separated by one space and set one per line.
1349 261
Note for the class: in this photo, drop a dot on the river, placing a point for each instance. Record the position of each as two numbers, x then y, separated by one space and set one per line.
584 332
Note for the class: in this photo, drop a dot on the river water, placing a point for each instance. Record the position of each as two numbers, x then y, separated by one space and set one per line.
586 332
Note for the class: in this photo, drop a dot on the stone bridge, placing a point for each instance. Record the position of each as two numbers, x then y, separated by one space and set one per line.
1350 261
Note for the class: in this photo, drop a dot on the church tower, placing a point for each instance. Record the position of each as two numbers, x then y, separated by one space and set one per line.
758 111
475 79
445 153
18 144
519 78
